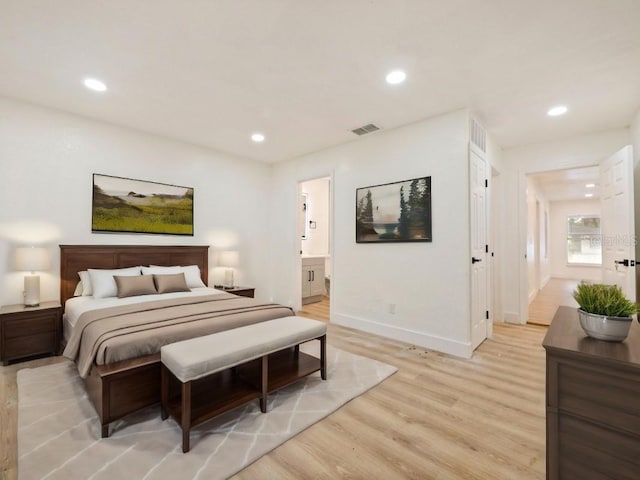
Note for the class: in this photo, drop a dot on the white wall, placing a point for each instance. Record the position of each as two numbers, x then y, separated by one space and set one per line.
47 159
538 261
580 151
317 241
427 282
560 211
635 137
496 229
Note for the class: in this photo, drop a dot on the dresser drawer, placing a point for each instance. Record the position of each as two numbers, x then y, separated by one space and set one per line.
592 452
33 325
602 395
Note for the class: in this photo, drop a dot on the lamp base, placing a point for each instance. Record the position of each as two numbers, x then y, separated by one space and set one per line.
32 290
228 278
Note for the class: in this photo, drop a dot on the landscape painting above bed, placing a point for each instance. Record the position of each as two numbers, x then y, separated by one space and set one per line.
126 205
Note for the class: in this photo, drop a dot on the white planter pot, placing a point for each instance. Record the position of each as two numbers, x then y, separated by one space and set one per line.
610 329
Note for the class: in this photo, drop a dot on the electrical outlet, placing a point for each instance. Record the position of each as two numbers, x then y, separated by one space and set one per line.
392 308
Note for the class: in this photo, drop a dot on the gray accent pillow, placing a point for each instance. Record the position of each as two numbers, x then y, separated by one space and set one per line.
132 286
175 282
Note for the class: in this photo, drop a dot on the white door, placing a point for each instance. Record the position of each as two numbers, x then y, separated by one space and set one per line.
478 181
617 221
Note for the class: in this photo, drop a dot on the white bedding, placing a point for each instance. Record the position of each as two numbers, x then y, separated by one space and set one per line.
76 306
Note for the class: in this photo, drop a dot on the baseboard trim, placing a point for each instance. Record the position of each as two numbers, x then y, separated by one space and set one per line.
510 317
432 342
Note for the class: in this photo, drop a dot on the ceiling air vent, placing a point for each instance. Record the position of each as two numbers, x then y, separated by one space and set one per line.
365 129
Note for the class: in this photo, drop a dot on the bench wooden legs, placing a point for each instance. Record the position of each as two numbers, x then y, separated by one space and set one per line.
186 415
264 383
323 357
164 392
185 420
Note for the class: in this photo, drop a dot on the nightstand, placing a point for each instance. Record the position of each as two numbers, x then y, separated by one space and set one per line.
29 331
240 291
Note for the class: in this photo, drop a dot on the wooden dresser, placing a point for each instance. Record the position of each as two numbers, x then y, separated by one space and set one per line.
593 403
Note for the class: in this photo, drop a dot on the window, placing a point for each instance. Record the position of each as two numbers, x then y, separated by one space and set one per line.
583 240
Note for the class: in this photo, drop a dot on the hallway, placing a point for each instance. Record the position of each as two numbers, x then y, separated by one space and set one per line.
558 291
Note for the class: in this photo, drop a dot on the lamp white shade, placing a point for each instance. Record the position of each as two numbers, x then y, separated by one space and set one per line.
32 259
229 258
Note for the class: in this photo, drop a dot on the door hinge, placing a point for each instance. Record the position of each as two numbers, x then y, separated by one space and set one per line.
486 249
486 314
486 183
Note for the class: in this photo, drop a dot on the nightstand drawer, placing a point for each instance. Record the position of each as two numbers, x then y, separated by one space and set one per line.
239 291
30 345
246 292
35 324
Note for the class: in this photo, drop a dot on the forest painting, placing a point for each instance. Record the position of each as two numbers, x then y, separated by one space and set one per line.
136 206
394 212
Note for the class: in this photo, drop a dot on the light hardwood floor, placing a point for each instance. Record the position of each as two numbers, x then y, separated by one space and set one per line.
556 292
439 417
318 310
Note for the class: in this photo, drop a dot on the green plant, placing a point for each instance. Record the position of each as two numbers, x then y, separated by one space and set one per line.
602 299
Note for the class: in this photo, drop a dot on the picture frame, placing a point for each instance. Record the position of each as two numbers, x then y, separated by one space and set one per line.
394 212
126 205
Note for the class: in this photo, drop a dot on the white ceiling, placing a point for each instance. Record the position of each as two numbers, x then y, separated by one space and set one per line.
306 73
561 185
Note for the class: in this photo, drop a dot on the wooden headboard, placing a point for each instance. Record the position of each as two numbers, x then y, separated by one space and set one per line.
75 258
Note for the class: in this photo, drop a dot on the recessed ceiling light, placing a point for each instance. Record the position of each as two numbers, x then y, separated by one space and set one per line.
590 185
588 194
396 76
257 137
557 110
94 84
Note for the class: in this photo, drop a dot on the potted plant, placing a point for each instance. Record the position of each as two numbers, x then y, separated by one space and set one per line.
605 312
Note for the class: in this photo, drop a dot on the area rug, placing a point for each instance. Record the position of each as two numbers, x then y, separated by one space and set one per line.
59 431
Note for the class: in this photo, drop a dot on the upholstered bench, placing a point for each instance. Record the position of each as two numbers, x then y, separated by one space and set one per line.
223 370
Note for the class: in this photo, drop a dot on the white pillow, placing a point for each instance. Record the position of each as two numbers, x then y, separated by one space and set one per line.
86 283
78 291
103 283
158 270
191 273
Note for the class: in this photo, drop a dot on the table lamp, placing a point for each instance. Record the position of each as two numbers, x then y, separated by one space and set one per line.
32 259
228 259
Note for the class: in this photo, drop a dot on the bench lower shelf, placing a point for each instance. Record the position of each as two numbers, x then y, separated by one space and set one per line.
231 388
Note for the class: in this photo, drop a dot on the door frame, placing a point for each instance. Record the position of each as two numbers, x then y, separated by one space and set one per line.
298 257
523 281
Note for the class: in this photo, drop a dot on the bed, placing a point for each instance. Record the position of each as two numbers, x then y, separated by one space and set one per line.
122 371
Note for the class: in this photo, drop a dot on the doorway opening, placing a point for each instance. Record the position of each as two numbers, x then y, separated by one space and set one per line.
314 227
562 239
